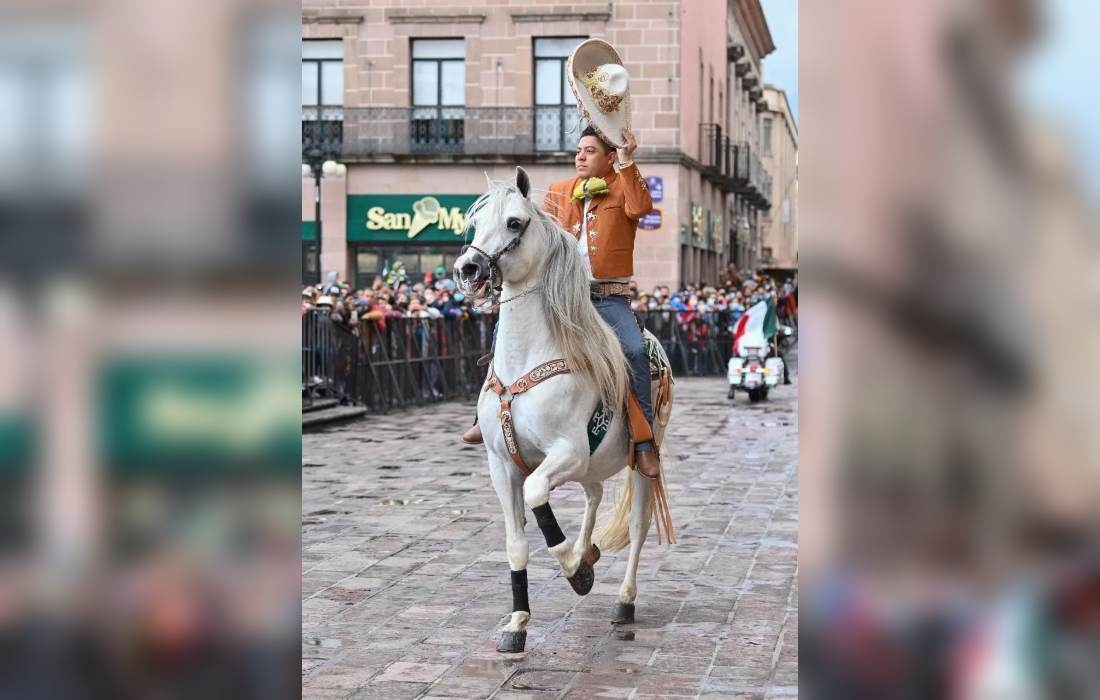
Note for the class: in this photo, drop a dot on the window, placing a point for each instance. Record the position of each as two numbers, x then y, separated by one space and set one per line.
766 136
367 266
556 115
323 93
371 261
438 95
710 103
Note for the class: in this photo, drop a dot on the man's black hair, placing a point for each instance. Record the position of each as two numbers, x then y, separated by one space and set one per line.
589 131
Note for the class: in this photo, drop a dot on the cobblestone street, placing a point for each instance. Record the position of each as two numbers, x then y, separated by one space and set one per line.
406 584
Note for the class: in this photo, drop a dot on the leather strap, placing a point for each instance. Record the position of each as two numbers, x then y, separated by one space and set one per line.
507 393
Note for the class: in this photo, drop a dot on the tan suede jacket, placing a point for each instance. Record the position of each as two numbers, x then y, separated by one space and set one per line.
613 219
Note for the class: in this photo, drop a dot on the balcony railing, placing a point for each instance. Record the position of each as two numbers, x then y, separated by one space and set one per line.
459 131
715 155
323 127
741 167
363 132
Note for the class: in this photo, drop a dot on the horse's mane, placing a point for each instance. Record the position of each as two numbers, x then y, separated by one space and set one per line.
587 343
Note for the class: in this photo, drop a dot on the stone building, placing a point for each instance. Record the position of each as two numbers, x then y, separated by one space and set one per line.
779 153
422 101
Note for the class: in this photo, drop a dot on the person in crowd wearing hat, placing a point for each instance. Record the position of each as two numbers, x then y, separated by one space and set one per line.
601 207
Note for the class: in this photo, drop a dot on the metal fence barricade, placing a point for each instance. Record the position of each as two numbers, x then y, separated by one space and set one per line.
396 362
392 363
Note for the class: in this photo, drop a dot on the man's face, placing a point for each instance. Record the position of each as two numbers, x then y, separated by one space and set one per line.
592 160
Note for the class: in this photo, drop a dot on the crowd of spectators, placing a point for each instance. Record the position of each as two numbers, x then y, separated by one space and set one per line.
392 295
736 293
395 295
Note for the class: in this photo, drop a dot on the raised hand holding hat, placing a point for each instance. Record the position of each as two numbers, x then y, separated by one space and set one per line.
626 151
601 84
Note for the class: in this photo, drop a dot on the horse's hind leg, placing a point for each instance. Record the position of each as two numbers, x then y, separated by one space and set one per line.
593 494
559 466
640 512
510 492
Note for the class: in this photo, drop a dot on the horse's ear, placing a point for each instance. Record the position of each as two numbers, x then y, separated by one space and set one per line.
523 183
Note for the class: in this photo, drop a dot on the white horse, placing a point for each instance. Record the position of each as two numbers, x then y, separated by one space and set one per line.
545 315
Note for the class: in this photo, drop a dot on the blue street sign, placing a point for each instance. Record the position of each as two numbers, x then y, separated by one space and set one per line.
651 221
656 187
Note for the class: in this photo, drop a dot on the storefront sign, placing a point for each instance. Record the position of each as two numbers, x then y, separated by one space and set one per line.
309 230
716 232
656 187
216 412
697 223
408 217
651 221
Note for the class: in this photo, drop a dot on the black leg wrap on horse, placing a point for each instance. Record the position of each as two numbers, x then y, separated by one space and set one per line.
544 516
519 592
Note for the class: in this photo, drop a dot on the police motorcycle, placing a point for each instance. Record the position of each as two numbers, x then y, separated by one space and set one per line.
756 366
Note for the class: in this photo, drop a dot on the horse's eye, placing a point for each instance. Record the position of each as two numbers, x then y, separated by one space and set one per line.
514 224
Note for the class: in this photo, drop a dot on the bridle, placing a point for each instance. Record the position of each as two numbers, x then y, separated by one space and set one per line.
494 269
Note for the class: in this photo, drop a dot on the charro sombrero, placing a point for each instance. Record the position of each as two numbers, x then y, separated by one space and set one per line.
601 84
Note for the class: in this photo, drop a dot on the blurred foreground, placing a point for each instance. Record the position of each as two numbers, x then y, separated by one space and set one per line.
149 445
149 413
949 454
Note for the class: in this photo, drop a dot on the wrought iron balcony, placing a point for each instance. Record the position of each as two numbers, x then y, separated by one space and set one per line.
457 131
741 168
759 190
714 153
764 198
323 129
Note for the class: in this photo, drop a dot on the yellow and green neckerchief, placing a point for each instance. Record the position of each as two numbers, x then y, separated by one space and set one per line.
590 187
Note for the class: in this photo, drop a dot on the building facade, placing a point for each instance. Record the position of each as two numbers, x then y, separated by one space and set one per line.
423 103
779 153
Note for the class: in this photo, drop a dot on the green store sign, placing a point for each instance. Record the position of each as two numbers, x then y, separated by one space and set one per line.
309 230
211 414
401 218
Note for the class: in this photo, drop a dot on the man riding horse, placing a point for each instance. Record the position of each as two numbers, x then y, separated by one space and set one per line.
601 208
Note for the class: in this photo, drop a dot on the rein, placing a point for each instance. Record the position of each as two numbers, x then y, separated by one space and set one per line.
502 302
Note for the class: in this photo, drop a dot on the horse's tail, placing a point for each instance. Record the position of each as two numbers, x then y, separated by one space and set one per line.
614 534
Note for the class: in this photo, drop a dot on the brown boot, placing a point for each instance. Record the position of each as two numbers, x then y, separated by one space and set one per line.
473 435
648 463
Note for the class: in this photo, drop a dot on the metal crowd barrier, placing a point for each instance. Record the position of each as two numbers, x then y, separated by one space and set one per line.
401 362
396 362
696 346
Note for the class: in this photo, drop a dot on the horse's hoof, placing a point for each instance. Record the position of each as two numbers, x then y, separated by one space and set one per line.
585 575
512 642
622 614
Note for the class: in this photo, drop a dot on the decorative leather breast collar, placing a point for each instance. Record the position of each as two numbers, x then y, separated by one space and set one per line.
507 393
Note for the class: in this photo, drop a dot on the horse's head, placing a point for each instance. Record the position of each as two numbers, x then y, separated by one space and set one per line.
501 249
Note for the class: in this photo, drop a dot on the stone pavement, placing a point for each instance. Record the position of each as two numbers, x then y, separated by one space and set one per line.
405 581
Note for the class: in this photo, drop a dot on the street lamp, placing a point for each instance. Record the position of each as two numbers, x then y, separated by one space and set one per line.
318 162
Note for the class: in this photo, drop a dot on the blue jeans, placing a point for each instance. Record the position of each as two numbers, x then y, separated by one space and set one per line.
616 312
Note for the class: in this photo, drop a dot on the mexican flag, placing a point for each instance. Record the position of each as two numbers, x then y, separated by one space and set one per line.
759 320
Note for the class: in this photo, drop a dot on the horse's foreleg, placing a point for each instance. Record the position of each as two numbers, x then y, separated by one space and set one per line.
593 494
514 636
557 468
640 512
